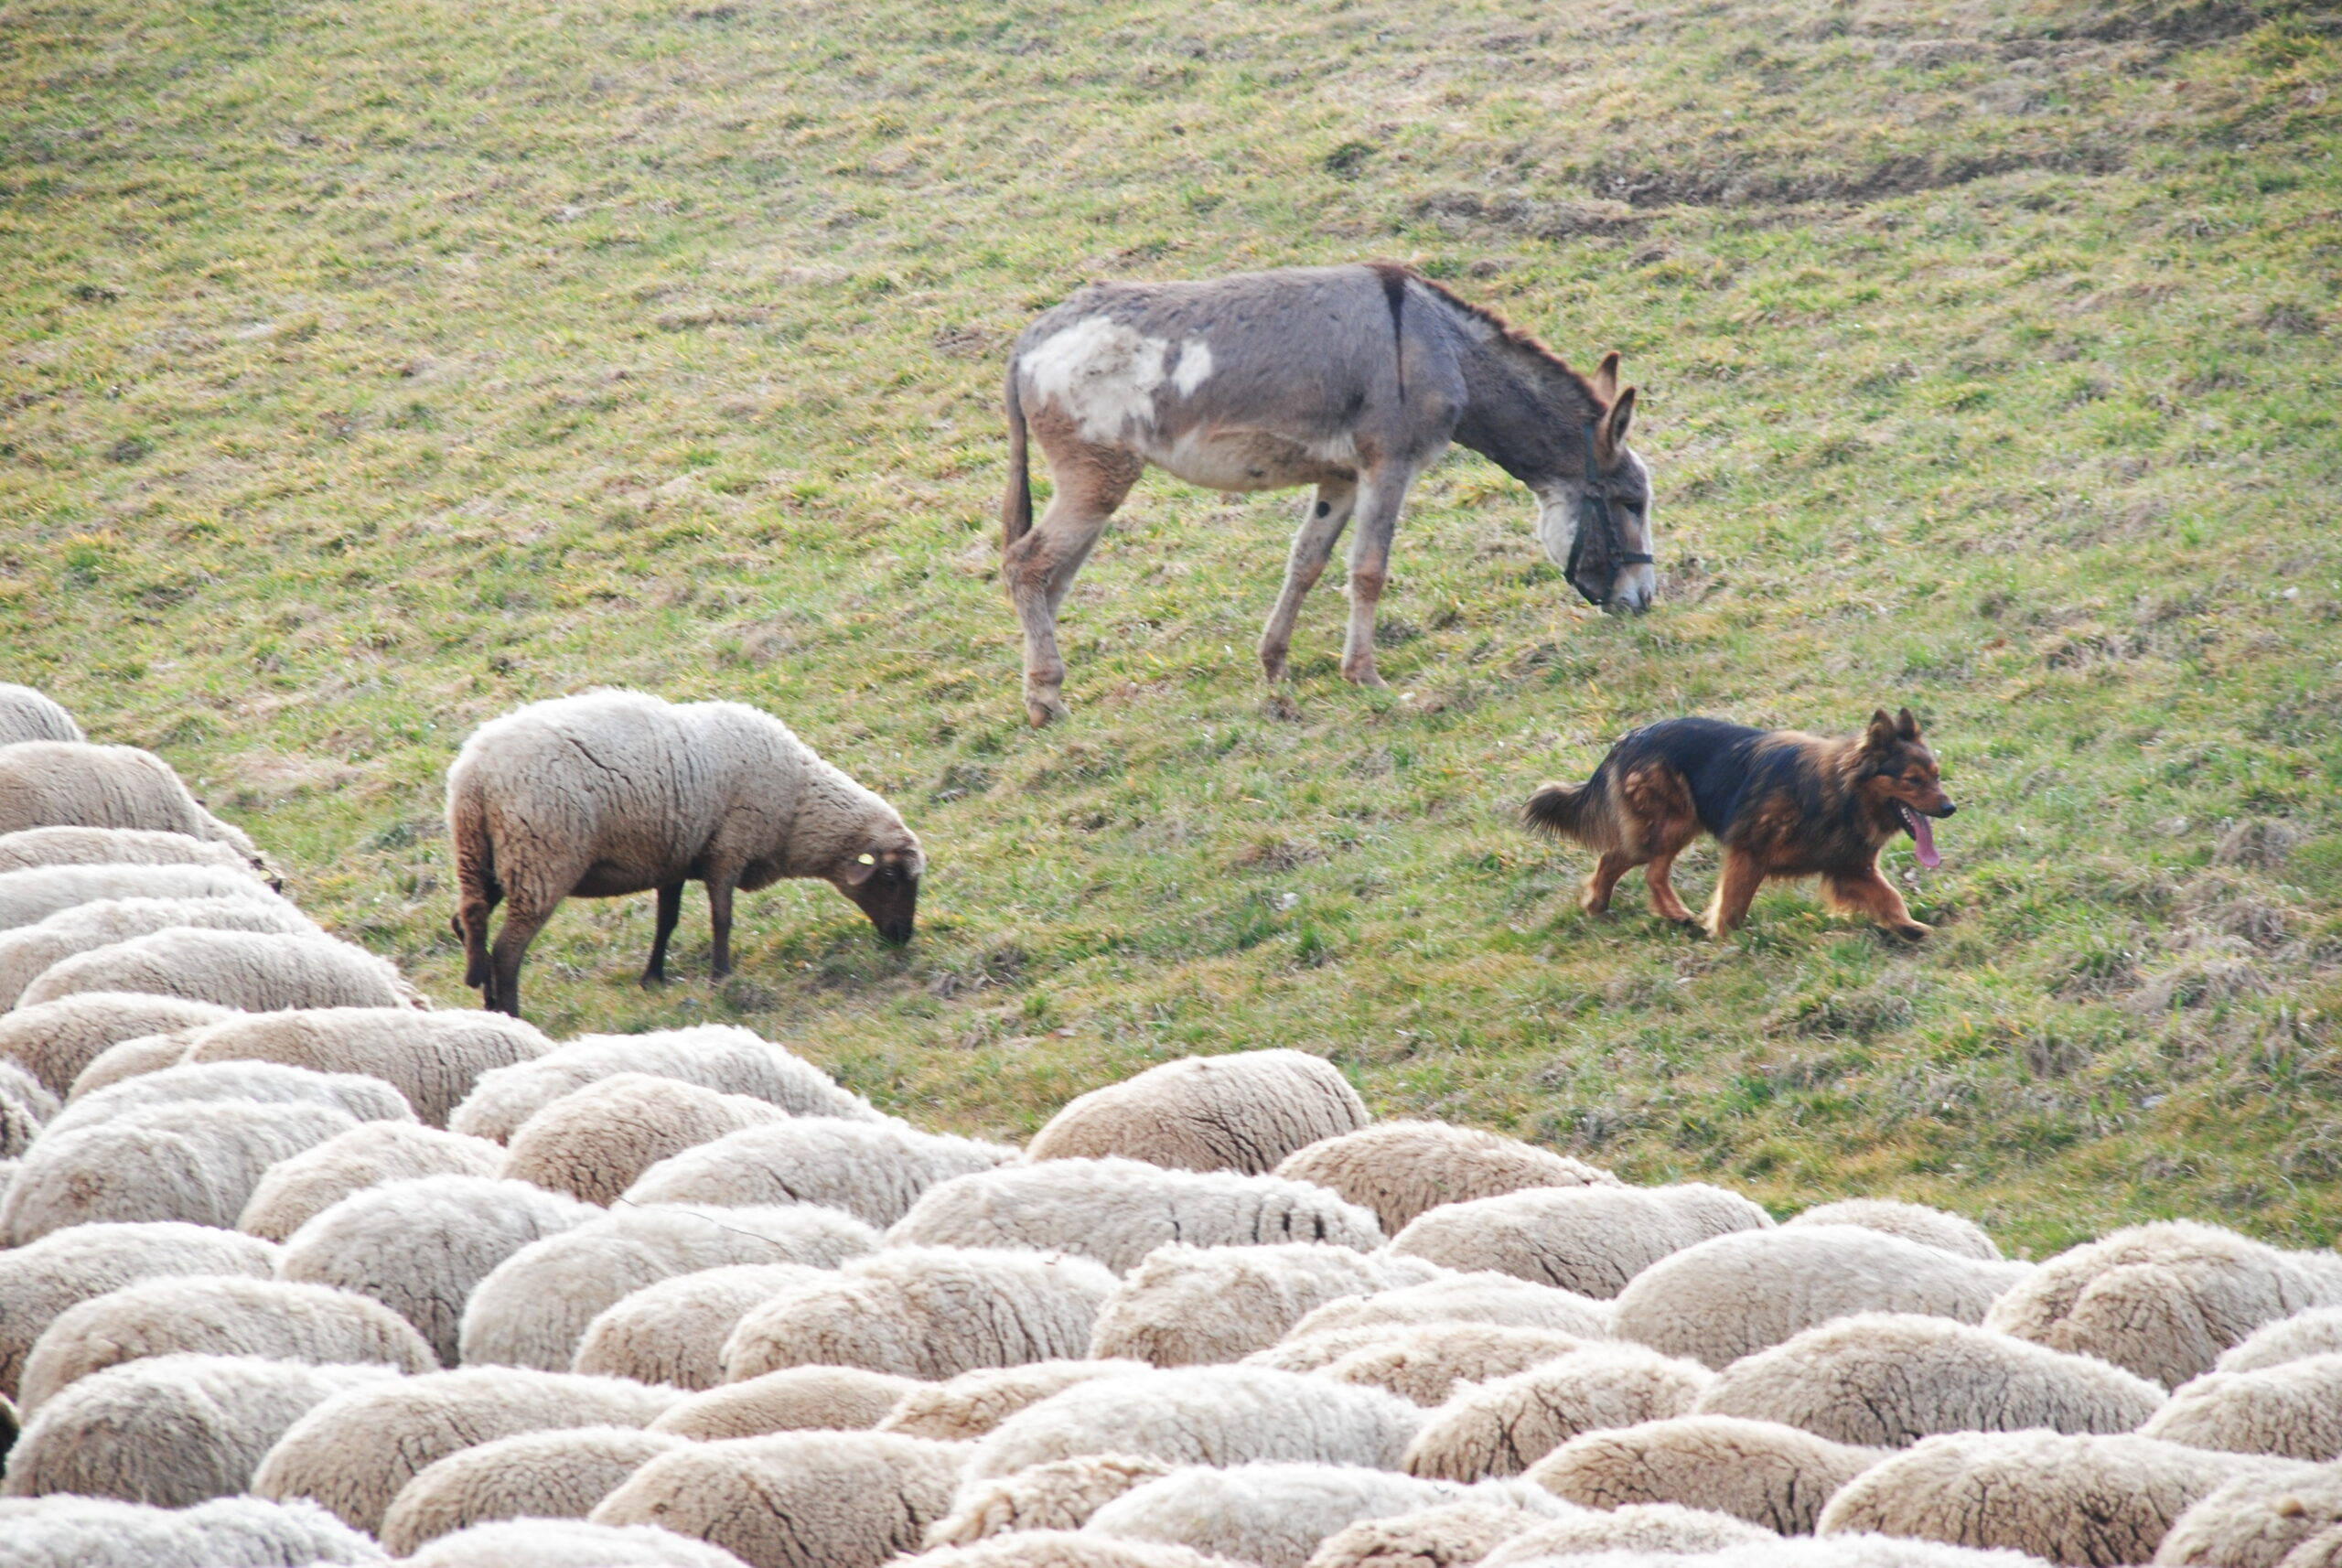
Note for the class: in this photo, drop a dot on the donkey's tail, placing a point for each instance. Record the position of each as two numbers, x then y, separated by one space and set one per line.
1016 506
1578 811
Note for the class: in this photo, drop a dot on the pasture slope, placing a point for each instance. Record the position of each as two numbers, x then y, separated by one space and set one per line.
372 367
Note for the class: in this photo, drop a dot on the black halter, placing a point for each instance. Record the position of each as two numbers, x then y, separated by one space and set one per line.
1595 518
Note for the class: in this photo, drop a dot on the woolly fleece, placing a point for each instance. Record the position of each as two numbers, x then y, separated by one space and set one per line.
1273 1515
365 1099
62 784
2293 1411
1765 1473
795 1399
28 951
2315 1332
1503 1428
537 1475
226 1532
1449 1535
971 1404
126 1060
1242 1112
1191 1305
1398 1169
296 1190
721 1057
57 1040
27 712
434 1059
568 1543
257 972
1064 1548
1426 1363
2255 1520
111 846
1912 1221
594 1141
33 895
24 1107
41 1281
674 1332
1479 1297
1589 1239
873 1170
1637 1527
1061 1495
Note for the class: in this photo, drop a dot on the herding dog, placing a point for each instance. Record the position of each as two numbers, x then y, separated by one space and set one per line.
1784 804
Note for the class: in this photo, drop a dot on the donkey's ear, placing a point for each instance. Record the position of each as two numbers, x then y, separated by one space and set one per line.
1906 727
1605 377
1880 736
1610 435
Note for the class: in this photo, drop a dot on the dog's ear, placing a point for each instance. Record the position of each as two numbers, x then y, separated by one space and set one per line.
1882 734
1906 727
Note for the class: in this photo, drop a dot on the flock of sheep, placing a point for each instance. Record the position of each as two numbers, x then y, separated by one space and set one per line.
296 1270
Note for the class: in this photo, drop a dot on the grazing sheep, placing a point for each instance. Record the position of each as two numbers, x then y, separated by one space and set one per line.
1738 1295
1637 1527
363 1099
2087 1500
1912 1221
218 1315
1298 1352
2255 1520
1429 1361
1398 1169
2293 1411
534 1307
354 1452
295 1191
1205 1416
1885 1381
971 1404
873 1170
434 1059
1186 1306
1448 1535
255 971
126 1060
1118 1211
26 1106
33 895
226 1532
56 1041
795 1399
567 1543
536 1475
58 783
617 792
796 1499
595 1143
1064 1548
928 1313
2165 1300
171 1430
1766 1473
1061 1495
1242 1113
1272 1515
1464 1299
1505 1426
196 1162
1590 1239
674 1332
419 1247
27 712
113 846
40 1281
28 950
722 1057
2317 1332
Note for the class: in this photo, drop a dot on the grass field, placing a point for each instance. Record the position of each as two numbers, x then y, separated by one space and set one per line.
370 369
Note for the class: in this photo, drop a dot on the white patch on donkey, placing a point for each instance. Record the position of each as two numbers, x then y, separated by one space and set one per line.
1102 374
1194 367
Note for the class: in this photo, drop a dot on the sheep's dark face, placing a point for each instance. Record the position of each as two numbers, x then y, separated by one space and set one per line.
883 884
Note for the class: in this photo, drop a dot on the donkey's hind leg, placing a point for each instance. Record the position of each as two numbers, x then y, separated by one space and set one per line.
1091 480
1313 546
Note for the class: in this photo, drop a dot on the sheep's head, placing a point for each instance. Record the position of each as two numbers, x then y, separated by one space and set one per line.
883 881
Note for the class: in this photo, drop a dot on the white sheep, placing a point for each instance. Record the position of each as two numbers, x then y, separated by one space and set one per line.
873 1170
533 1308
674 1332
594 1143
617 792
27 712
535 1474
1912 1221
2087 1499
1479 1297
354 1452
722 1057
1447 1535
113 846
1429 1361
366 1099
1117 1211
1589 1239
25 1107
33 895
126 1060
796 1499
1059 1495
1185 1305
2317 1332
294 1190
226 1532
57 1040
1273 1515
2255 1520
1398 1169
171 1430
434 1059
2293 1411
925 1312
419 1246
1885 1381
1635 1527
67 784
217 1314
1299 1352
1505 1426
971 1404
1064 1548
1738 1295
1205 1416
1758 1470
795 1399
40 1281
257 972
2165 1299
567 1543
28 951
1242 1113
196 1162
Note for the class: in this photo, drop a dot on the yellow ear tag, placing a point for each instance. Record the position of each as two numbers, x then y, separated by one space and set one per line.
867 860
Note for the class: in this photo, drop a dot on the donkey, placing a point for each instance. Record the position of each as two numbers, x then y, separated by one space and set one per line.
1353 379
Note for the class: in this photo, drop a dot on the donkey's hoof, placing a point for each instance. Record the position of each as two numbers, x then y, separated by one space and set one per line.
1042 712
1366 677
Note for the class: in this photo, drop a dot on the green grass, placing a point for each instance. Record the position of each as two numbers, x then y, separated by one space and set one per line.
370 369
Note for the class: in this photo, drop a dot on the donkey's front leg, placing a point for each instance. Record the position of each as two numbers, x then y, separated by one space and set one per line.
1380 498
1313 545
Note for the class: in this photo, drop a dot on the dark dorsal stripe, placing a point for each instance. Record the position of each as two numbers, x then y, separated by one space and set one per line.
1394 293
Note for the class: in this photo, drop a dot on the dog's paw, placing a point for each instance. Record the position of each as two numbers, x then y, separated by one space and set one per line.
1914 931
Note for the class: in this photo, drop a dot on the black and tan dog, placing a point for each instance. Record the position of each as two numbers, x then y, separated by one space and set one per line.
1784 804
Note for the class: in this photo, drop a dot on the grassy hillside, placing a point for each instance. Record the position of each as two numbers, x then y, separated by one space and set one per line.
372 368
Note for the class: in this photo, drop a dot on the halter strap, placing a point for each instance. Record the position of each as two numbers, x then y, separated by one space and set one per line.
1599 496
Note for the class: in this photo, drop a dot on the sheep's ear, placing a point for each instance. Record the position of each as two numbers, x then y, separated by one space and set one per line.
860 869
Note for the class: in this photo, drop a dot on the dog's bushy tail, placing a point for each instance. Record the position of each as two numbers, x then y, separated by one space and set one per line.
1566 811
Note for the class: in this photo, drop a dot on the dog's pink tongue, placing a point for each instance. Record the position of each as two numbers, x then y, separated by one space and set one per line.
1923 836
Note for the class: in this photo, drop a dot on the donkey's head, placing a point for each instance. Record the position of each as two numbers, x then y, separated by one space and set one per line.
1596 522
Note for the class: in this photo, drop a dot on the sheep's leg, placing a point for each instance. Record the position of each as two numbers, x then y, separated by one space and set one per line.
1091 480
670 910
1380 495
1313 545
719 915
521 929
471 925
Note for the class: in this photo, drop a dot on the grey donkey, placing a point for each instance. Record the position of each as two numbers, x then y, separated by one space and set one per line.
1353 379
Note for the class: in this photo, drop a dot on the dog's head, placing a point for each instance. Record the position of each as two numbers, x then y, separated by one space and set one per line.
1901 783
